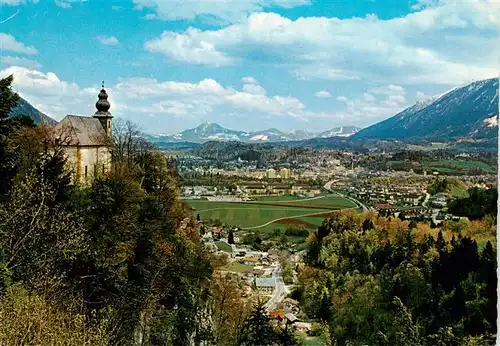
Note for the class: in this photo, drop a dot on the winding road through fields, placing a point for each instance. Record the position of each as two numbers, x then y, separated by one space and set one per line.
294 217
328 186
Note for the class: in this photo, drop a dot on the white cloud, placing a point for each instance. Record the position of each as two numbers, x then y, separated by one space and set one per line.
222 11
369 97
63 4
49 94
19 61
16 2
136 96
108 40
180 47
369 109
254 89
323 94
389 90
249 80
67 4
420 96
116 8
438 44
9 43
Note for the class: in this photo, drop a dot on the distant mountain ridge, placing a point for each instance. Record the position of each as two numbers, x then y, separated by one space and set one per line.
469 112
215 132
23 107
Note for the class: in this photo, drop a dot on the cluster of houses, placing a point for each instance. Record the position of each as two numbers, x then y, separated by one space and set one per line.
287 317
246 189
257 278
262 188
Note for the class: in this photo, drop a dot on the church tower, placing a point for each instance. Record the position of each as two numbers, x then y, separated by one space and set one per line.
102 112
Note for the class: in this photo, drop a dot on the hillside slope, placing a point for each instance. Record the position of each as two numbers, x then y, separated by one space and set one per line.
25 108
469 112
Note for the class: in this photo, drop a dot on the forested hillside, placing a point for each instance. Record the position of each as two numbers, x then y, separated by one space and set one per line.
95 265
376 281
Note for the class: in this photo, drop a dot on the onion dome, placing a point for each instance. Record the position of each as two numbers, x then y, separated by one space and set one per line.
102 104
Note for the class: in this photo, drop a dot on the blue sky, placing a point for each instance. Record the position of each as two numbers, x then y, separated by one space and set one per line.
249 65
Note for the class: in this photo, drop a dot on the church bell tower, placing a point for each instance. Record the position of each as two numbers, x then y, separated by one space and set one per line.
102 112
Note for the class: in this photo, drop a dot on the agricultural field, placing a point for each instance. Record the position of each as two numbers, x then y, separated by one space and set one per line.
223 246
449 166
282 210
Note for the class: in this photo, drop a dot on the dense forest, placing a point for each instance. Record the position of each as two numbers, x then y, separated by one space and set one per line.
381 281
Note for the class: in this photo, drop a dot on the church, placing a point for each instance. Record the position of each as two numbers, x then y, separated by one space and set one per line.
86 141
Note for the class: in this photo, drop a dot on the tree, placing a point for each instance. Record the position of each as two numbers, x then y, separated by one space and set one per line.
257 329
230 237
408 333
198 217
368 224
229 309
39 233
8 98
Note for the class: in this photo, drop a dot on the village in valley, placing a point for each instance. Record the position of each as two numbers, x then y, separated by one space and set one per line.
257 221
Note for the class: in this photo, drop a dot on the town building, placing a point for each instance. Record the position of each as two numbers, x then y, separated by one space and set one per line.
271 173
251 261
285 173
265 285
302 327
86 141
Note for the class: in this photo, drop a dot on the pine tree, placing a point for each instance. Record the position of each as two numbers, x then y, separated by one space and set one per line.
325 308
257 329
8 98
440 242
488 274
230 237
367 225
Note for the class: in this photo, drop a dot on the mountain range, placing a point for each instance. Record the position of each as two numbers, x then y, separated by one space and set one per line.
460 116
23 107
215 132
465 113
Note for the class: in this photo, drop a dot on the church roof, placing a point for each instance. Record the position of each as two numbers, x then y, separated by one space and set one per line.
80 130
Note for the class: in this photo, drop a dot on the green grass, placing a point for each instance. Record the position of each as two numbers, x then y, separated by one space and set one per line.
283 198
314 220
450 166
247 215
330 201
314 341
455 191
223 246
238 267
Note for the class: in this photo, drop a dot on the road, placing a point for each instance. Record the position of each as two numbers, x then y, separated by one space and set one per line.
293 217
426 200
279 292
288 201
328 186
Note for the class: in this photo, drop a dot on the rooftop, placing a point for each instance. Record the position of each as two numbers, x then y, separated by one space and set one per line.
80 130
265 282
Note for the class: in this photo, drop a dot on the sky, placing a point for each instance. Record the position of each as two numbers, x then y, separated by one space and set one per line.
169 65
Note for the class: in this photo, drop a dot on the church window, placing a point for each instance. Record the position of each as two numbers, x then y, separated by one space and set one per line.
103 169
85 171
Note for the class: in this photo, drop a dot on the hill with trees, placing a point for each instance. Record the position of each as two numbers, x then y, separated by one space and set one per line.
102 264
381 281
